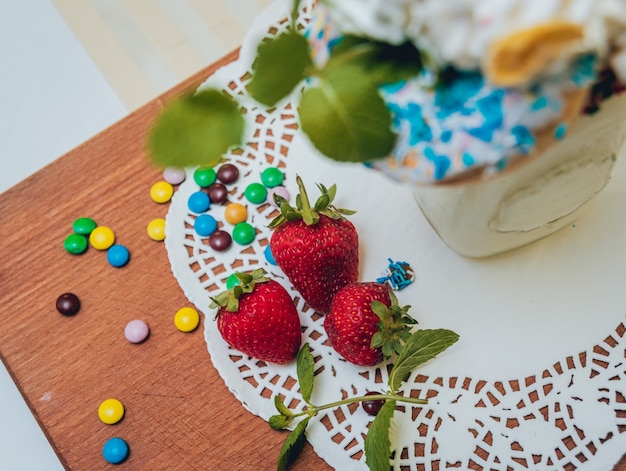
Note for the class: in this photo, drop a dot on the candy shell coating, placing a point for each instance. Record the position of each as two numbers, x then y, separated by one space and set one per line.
205 225
218 193
136 331
161 192
102 237
235 213
198 202
272 177
232 281
228 173
243 233
186 319
118 255
111 411
174 176
280 191
204 176
220 240
84 226
115 450
156 229
256 193
75 244
68 304
268 255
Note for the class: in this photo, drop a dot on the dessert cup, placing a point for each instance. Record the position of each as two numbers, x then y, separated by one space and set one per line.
534 199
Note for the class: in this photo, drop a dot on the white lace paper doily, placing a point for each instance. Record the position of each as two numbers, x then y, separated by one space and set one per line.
536 379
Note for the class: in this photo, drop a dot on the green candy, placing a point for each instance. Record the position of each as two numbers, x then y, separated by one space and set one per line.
243 233
205 176
75 244
84 226
272 177
255 193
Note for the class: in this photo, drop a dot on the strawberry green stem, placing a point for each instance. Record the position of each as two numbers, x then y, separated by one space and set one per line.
313 410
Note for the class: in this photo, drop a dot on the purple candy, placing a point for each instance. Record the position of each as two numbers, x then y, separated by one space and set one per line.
174 176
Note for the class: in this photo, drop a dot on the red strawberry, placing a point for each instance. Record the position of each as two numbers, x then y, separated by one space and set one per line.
317 248
365 323
259 318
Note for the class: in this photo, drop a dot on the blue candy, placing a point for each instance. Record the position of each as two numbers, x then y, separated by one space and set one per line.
198 202
118 255
205 225
115 450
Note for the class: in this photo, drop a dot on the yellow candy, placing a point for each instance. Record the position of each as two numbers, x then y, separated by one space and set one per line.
156 229
186 319
518 57
161 192
111 411
102 237
235 213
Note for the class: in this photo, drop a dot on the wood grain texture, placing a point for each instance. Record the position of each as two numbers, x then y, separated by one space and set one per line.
179 414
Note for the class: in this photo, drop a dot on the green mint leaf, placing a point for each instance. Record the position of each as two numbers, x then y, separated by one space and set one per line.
423 345
380 62
281 407
279 422
377 444
281 64
196 129
345 117
305 368
292 446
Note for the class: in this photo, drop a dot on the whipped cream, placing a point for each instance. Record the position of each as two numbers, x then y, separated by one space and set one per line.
459 32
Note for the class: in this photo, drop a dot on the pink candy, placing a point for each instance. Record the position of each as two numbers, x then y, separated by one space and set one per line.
174 176
136 331
280 191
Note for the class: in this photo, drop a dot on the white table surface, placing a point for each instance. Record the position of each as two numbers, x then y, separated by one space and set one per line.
53 97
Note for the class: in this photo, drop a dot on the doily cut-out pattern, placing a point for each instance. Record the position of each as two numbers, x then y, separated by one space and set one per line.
571 415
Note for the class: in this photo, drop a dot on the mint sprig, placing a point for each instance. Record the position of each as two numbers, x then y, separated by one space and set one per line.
426 346
340 108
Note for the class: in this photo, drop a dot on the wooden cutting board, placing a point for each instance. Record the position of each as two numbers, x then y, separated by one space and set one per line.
179 414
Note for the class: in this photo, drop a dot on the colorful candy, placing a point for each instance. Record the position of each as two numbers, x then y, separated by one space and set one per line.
84 226
243 233
220 240
198 202
102 237
272 177
235 213
156 229
118 255
204 176
217 192
255 193
111 411
174 176
205 225
75 244
115 450
280 191
161 192
228 173
268 255
186 319
136 331
68 304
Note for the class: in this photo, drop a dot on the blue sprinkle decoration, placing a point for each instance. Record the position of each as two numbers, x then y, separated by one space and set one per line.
560 131
539 104
441 162
523 137
398 274
468 159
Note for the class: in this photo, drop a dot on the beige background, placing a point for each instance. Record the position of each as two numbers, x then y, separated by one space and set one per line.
144 47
